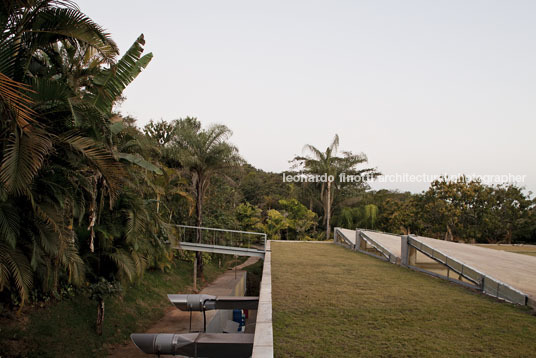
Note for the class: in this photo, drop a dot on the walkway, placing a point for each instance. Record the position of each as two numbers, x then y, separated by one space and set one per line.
390 242
516 270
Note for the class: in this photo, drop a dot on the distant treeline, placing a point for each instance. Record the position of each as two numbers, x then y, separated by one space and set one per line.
459 210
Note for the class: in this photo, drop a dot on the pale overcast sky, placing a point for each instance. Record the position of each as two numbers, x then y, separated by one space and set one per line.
419 86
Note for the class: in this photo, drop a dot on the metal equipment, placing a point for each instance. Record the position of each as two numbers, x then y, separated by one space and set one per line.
202 303
208 345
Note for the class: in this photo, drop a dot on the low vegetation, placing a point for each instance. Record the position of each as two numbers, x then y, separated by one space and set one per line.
67 328
331 302
254 277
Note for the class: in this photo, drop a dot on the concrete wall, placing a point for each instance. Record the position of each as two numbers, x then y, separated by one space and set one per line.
263 345
218 318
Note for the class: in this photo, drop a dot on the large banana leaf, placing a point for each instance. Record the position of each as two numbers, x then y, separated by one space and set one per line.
111 82
138 160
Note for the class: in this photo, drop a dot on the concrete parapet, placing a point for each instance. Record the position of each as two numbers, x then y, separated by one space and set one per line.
263 344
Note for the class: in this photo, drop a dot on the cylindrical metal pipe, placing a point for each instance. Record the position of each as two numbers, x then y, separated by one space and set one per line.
191 344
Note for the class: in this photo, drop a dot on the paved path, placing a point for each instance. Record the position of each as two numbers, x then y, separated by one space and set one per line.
516 270
349 234
388 241
177 321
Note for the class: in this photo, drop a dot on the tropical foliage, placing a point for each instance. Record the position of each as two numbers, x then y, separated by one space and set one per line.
293 221
460 210
330 165
70 209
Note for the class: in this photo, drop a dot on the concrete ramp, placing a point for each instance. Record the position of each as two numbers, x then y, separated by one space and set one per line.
389 242
515 270
348 235
505 275
378 244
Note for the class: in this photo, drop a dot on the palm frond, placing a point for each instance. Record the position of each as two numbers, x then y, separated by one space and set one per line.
136 225
48 240
124 263
74 264
23 157
16 102
99 156
14 265
318 154
9 224
49 94
334 145
54 24
140 263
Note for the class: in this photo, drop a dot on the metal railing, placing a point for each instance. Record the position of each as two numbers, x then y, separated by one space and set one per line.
341 239
220 237
487 284
377 246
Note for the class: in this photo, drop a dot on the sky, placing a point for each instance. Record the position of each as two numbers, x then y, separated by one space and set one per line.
420 87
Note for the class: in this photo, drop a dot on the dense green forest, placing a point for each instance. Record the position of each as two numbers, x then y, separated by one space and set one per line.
88 198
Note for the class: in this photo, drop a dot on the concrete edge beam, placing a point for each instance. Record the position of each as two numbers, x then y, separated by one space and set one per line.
263 342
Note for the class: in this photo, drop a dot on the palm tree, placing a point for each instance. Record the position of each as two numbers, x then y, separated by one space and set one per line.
30 28
329 164
204 153
56 159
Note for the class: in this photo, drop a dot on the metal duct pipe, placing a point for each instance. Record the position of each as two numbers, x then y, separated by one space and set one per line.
207 302
210 345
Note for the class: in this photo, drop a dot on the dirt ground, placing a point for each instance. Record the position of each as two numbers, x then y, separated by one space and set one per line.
176 321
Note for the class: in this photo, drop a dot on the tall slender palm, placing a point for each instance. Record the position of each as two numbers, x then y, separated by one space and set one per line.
204 153
328 163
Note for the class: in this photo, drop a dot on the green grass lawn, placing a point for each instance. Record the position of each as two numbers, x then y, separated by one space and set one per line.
67 328
331 302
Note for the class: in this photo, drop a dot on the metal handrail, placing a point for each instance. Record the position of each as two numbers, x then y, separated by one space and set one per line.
479 280
377 246
264 235
217 229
